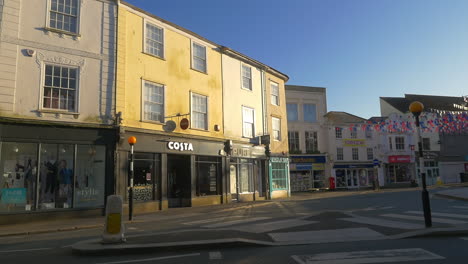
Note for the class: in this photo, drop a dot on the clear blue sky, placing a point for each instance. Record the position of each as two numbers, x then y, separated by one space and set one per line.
358 49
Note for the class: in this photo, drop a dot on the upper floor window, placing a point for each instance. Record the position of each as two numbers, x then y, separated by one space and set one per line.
274 93
292 112
310 113
390 143
353 133
198 57
248 127
400 143
246 77
311 141
426 144
154 40
60 88
293 140
370 153
153 102
199 111
355 153
338 132
64 15
368 133
339 154
276 127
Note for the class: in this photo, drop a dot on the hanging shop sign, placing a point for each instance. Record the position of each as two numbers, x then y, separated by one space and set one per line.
354 142
180 146
399 159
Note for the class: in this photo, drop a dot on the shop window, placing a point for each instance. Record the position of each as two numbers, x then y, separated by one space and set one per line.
89 178
146 176
208 174
279 176
293 140
311 142
340 178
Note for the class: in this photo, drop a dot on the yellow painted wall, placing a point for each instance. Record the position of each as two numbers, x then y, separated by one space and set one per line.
279 112
174 71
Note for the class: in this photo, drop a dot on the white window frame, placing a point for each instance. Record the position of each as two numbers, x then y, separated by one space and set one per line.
339 154
304 113
338 132
355 153
353 133
295 140
275 101
390 145
192 123
370 153
157 25
400 145
192 56
43 86
273 119
78 19
297 112
143 93
244 122
309 138
243 76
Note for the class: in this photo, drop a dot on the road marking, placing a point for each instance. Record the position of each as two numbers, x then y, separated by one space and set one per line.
24 250
284 209
205 221
215 255
382 222
270 226
386 208
464 238
328 236
434 219
235 222
151 259
375 256
439 214
460 207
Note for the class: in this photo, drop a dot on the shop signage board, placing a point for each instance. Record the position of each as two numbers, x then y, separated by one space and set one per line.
308 159
399 159
279 159
352 166
352 142
13 196
180 146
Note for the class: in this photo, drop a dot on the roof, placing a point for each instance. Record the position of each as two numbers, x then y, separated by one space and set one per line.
220 47
377 119
343 118
301 88
430 102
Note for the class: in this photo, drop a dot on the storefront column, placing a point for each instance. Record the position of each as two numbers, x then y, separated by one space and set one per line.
163 186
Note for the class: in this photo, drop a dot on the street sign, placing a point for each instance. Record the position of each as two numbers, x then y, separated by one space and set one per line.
376 162
184 123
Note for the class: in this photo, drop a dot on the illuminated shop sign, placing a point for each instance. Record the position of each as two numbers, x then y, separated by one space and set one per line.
180 146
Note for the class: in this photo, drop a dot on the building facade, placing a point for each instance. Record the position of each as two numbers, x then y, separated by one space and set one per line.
57 64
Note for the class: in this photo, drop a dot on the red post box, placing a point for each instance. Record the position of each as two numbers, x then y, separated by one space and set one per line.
332 183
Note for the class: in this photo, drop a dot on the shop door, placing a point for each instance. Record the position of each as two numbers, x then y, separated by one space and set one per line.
233 182
179 184
352 177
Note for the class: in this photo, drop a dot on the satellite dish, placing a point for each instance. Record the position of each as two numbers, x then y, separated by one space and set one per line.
169 126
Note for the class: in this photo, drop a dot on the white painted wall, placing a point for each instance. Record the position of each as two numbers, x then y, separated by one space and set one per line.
93 51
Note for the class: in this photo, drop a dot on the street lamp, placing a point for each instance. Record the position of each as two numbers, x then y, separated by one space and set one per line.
131 141
416 108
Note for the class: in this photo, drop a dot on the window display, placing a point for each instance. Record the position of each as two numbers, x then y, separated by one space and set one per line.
208 172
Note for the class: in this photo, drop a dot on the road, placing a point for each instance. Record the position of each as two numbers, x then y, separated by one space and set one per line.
348 229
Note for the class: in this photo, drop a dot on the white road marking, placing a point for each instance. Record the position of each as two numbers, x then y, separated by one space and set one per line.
270 226
151 259
375 256
328 236
24 250
382 222
434 219
464 238
439 214
460 207
215 255
205 221
386 208
235 222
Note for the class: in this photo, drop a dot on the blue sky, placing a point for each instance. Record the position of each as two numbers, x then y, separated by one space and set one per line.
359 50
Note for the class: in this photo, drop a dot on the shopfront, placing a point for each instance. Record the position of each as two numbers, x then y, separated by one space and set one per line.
54 168
353 176
171 172
307 172
399 169
279 177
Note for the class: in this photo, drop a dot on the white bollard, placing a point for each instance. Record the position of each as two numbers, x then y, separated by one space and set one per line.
114 230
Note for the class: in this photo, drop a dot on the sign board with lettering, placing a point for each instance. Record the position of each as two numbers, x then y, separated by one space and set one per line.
13 196
399 159
180 146
350 142
308 159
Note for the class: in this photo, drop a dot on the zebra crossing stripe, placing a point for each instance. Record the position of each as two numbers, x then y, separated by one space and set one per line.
464 238
276 225
383 222
439 214
460 207
434 219
235 222
328 236
375 256
205 221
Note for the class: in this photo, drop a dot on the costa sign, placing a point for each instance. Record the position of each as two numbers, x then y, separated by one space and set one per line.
180 146
399 159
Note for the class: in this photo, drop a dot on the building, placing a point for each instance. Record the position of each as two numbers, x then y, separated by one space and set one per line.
57 64
351 151
308 138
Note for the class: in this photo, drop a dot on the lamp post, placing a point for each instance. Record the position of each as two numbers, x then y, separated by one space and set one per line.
131 141
416 108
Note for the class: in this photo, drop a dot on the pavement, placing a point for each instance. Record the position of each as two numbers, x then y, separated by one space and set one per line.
201 238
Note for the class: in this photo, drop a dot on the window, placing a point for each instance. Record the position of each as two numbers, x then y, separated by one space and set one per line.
208 174
310 113
276 127
153 102
339 154
199 57
355 153
293 140
246 77
64 15
199 111
390 143
274 87
154 40
248 128
368 133
147 174
292 112
338 132
370 154
279 176
426 143
60 88
311 142
399 143
353 133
